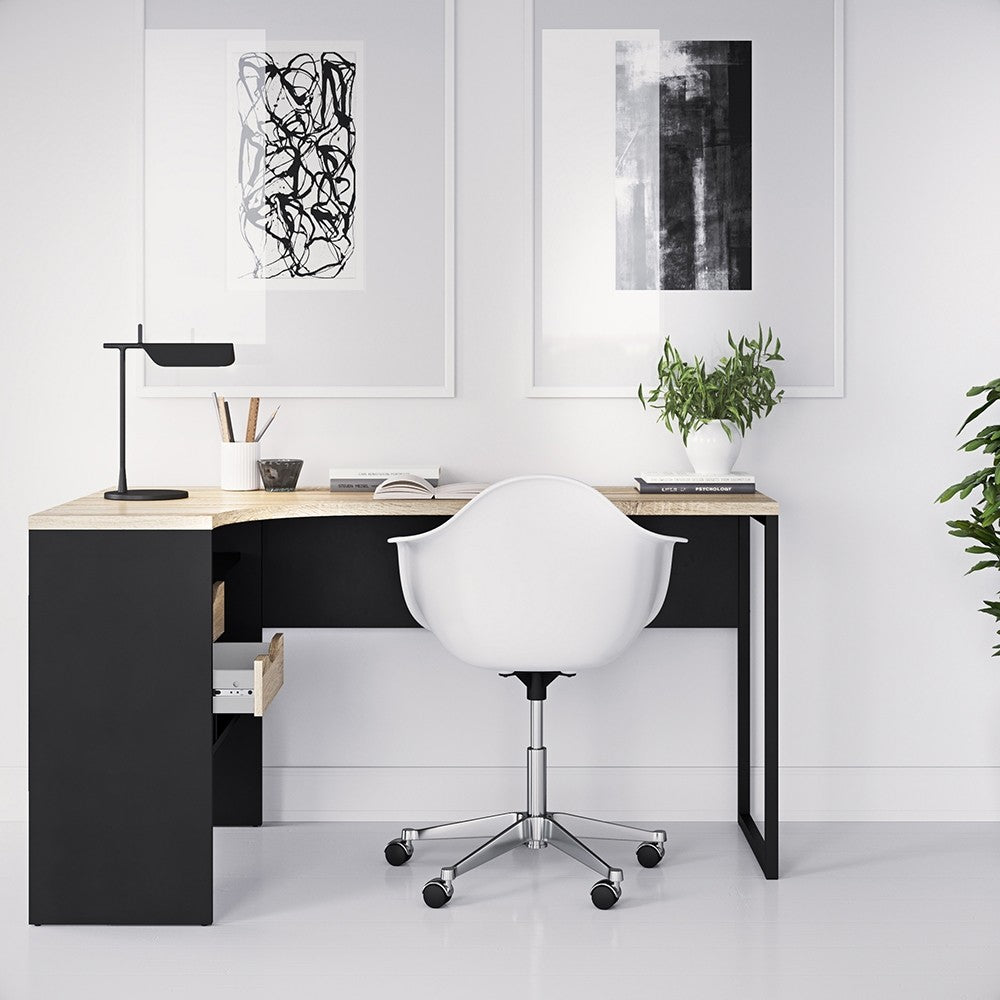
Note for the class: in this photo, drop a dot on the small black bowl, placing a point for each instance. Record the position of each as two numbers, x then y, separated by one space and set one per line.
279 475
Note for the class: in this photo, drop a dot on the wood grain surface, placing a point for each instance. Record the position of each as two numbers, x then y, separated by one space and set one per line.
207 509
268 674
218 609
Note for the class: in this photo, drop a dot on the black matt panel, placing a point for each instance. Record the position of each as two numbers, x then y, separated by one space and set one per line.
236 560
336 572
704 579
236 773
120 727
340 572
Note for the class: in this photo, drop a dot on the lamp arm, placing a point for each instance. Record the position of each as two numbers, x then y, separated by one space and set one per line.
122 478
122 348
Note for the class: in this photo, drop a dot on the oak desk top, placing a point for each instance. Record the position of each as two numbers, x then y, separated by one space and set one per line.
207 509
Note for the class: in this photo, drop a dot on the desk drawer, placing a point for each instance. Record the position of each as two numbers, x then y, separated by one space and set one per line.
245 678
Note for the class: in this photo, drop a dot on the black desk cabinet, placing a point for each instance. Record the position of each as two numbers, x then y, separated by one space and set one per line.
128 768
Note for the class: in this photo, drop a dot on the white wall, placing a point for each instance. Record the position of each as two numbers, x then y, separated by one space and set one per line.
890 700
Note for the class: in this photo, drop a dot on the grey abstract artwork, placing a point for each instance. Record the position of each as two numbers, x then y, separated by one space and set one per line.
682 165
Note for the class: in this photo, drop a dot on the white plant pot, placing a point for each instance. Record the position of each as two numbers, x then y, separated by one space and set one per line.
711 451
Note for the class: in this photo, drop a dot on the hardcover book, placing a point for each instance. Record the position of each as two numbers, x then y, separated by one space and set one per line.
692 482
643 487
694 477
368 477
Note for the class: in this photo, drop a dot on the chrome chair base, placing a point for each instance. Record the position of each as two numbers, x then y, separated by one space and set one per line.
536 827
519 829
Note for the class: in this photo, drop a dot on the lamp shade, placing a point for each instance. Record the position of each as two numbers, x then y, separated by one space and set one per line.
190 355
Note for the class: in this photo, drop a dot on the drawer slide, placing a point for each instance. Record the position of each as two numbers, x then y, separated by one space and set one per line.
246 678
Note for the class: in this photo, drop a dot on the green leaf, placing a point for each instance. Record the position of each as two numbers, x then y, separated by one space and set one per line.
977 389
990 400
985 564
967 485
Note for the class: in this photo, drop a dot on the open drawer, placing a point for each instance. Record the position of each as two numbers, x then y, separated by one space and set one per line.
246 677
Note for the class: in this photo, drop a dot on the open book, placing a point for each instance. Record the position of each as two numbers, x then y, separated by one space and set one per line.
416 488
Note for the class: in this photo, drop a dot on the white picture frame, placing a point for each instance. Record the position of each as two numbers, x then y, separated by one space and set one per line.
420 346
826 338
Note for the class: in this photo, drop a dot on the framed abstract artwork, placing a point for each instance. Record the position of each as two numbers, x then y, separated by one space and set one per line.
686 180
299 194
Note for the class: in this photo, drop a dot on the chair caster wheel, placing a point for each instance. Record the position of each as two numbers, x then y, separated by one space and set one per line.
649 855
605 894
436 893
398 852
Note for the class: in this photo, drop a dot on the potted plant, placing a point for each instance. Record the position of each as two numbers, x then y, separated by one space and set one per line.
713 410
981 525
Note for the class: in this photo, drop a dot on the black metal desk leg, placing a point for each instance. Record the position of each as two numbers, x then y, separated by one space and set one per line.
765 848
743 674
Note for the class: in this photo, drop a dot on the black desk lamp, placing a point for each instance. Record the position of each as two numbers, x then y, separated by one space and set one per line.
166 356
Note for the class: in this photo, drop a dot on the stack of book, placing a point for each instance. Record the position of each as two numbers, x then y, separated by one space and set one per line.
691 482
368 477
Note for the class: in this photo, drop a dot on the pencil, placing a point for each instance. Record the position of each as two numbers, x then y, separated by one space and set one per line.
263 430
220 416
229 421
252 419
224 427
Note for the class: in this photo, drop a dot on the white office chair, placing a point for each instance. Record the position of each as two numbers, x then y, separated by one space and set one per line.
537 577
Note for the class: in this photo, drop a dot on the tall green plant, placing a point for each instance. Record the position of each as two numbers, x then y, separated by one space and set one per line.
739 390
981 525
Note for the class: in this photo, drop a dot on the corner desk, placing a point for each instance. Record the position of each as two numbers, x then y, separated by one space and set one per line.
129 770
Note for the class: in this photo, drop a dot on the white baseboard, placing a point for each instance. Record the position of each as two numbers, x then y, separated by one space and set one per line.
925 793
415 794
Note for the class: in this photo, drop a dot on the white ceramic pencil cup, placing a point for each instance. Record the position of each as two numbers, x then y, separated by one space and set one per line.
238 466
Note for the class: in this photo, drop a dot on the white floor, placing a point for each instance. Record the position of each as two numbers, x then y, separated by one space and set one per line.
312 910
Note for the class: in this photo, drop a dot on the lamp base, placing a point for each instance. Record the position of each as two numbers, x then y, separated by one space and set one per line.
146 495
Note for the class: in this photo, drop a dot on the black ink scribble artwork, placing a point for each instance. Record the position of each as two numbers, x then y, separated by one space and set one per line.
298 189
682 165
